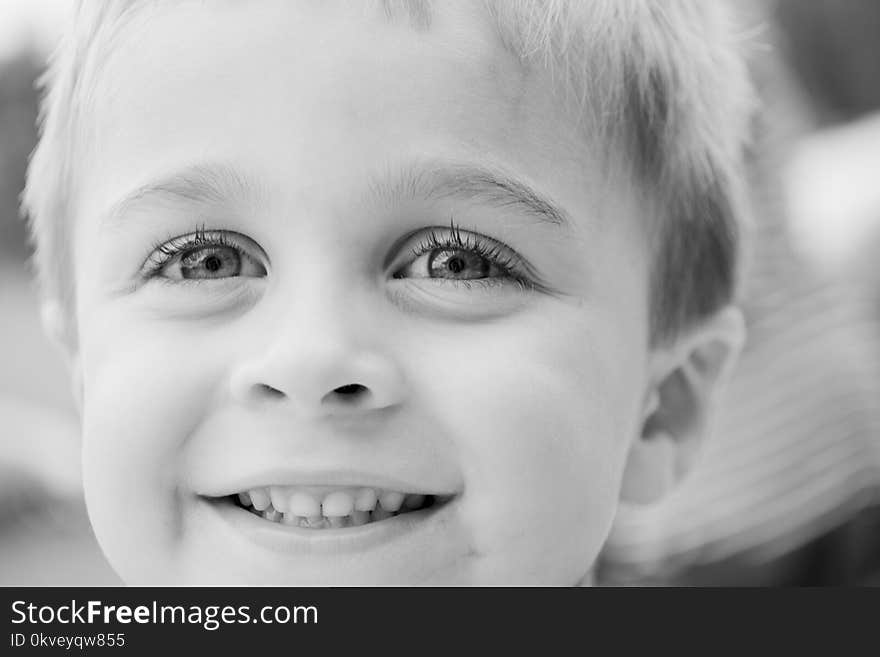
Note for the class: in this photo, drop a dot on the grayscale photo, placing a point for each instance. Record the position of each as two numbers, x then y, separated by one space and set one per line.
439 293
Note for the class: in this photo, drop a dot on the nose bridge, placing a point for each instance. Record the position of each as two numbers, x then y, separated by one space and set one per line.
323 353
321 314
318 338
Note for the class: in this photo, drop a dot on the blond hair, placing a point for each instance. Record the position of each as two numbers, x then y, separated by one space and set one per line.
663 82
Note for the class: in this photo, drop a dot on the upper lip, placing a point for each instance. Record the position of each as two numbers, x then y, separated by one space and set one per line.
341 478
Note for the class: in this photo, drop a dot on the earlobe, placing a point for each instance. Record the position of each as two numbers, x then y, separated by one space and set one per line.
57 328
76 382
650 470
686 376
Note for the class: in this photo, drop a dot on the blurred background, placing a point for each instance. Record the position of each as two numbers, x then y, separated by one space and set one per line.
787 493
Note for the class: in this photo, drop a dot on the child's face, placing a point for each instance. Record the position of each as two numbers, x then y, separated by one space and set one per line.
324 329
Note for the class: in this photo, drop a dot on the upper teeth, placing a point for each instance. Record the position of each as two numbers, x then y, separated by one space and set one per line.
312 505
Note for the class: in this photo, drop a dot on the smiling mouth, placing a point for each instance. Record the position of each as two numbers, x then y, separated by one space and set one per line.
325 507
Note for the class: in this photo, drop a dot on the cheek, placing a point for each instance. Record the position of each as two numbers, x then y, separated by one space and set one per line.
144 392
542 410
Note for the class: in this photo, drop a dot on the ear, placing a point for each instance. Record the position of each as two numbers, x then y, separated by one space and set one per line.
57 327
685 377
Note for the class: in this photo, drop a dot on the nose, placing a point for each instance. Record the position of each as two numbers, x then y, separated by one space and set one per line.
320 374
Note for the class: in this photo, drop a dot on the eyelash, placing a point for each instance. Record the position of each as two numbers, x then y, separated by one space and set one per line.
497 252
172 247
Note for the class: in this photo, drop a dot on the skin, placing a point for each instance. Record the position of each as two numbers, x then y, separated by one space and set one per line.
524 402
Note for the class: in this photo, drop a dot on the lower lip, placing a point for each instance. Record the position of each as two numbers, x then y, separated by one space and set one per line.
288 539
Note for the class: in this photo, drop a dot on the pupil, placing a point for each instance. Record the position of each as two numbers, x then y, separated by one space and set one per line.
212 263
455 265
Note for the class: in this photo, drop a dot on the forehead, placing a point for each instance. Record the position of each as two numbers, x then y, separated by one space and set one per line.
306 93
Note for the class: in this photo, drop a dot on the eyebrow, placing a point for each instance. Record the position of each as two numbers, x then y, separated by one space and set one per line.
199 184
487 185
492 186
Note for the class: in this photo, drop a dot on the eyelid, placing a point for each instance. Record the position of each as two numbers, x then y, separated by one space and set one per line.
152 265
517 266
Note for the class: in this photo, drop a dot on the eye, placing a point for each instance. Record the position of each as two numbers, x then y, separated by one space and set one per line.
454 263
451 254
206 262
206 255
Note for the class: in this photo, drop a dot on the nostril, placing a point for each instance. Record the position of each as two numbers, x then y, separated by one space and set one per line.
264 390
354 393
350 390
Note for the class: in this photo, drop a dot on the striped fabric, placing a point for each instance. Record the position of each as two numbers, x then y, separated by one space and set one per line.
796 449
